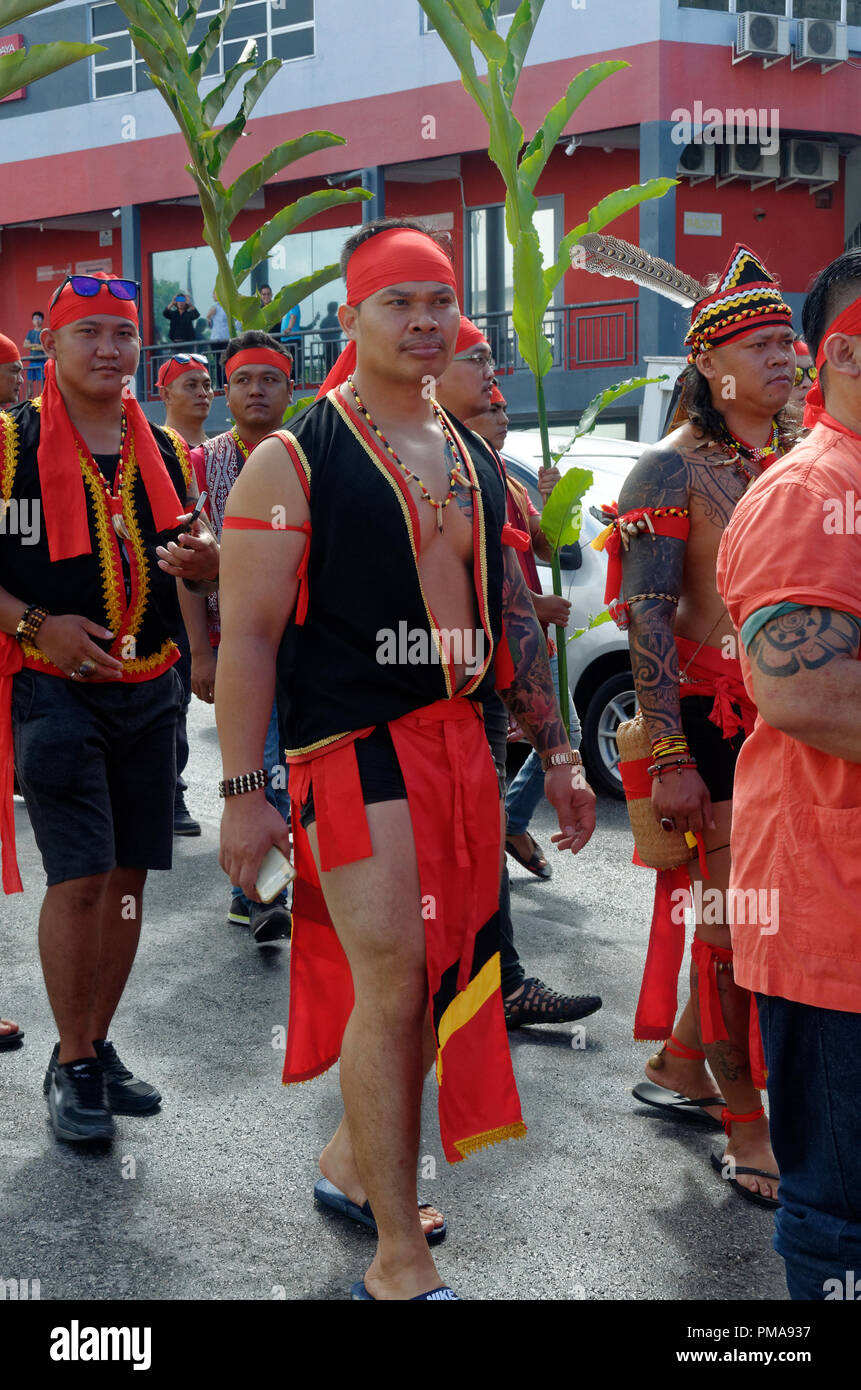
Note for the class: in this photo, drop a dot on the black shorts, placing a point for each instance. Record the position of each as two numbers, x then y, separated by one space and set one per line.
380 773
715 755
97 768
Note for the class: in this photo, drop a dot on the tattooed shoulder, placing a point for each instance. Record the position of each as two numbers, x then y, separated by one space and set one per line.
659 478
805 639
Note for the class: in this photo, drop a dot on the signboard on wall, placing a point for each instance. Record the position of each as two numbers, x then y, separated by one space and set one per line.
11 43
703 224
93 267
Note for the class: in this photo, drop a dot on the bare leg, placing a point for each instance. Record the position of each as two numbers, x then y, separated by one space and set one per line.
729 1061
375 906
87 949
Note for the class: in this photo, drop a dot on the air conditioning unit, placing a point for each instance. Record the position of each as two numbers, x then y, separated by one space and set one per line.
763 36
820 41
748 162
697 162
810 161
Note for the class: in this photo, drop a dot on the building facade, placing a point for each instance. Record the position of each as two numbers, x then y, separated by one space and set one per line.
755 105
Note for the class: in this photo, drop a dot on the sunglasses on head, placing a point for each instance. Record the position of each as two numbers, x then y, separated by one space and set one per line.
183 357
810 372
88 287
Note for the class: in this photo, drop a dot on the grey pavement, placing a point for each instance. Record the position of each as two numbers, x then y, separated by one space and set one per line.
211 1197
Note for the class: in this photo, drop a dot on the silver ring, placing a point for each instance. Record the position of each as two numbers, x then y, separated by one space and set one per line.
87 668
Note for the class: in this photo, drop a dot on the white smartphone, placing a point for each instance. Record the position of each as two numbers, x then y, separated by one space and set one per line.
274 874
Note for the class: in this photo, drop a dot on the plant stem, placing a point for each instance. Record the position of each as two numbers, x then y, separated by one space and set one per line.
561 644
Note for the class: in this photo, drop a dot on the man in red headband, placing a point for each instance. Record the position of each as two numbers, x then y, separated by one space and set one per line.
805 377
185 386
465 387
673 508
369 574
258 372
789 571
11 372
87 618
492 422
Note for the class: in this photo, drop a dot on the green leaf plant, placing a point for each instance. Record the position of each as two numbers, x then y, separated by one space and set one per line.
467 27
160 32
41 59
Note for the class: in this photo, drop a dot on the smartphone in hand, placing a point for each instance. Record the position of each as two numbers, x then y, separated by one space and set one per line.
274 874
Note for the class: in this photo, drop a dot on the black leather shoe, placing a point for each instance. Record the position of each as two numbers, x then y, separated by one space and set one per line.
78 1102
183 821
127 1094
271 921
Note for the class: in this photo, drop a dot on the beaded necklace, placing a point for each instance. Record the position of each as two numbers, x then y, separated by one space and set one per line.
115 497
455 475
746 451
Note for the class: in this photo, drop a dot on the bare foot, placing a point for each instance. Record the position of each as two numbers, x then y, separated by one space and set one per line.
337 1164
750 1147
687 1078
7 1027
386 1282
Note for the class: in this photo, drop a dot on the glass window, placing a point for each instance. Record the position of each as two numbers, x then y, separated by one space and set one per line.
816 9
761 6
853 12
491 255
247 21
114 81
293 43
107 19
704 4
505 7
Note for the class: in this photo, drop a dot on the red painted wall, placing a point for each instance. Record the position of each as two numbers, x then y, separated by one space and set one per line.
25 248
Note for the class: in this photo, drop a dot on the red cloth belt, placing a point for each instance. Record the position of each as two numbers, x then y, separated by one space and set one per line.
453 801
709 672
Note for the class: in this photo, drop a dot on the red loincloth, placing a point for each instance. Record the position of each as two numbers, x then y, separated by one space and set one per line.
453 797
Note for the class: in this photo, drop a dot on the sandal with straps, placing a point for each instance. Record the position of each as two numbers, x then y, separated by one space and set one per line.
538 1004
729 1169
673 1103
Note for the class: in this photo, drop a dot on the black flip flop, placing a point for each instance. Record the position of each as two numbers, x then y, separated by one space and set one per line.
675 1105
537 862
718 1161
10 1040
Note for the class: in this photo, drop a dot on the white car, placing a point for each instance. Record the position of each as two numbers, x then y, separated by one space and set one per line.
599 668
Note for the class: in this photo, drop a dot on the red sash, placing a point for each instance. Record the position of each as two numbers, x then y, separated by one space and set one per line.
453 799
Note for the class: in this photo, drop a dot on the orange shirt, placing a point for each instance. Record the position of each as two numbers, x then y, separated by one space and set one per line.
796 826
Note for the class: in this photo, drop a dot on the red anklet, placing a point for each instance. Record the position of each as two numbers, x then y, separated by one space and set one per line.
728 1118
688 1054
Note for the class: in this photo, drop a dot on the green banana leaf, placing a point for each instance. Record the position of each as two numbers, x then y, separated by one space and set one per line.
597 621
541 145
29 64
247 184
562 515
258 246
614 205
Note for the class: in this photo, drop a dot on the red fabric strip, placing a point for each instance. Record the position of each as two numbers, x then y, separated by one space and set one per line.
656 1006
259 357
635 778
519 540
849 321
676 527
342 825
250 523
11 661
709 672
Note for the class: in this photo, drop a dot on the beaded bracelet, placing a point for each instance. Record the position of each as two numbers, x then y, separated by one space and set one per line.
681 765
31 620
248 782
670 743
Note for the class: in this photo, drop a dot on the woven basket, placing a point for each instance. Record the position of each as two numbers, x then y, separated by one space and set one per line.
660 849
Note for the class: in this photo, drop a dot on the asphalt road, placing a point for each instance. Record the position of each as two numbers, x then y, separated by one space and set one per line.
211 1197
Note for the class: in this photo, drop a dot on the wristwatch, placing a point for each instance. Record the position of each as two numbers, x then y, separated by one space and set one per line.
572 757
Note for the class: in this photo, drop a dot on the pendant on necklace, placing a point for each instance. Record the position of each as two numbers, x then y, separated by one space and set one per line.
120 526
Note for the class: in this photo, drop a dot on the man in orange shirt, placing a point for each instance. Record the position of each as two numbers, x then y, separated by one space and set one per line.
790 572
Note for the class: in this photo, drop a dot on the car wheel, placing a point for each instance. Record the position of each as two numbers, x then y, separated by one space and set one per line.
612 703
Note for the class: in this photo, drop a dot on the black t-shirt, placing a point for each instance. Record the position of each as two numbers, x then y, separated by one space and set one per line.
182 321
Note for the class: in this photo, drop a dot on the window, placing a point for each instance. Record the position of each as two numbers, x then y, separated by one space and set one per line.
490 256
840 11
506 7
282 29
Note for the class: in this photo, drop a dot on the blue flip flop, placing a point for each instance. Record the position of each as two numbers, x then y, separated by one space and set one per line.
328 1195
359 1294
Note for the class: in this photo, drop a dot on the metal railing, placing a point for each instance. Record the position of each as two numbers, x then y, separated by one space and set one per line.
600 334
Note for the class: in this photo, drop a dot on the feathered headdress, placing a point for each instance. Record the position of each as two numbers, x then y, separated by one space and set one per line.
745 298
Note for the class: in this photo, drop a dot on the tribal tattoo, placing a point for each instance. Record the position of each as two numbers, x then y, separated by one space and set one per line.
807 638
531 698
703 481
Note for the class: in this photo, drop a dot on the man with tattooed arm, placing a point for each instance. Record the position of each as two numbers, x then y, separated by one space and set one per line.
673 510
789 570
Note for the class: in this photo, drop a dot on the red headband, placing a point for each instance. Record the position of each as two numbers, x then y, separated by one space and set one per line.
8 350
170 370
259 357
801 348
395 256
71 307
496 397
469 336
848 322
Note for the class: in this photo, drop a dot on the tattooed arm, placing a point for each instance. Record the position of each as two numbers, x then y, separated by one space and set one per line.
531 699
660 479
807 679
